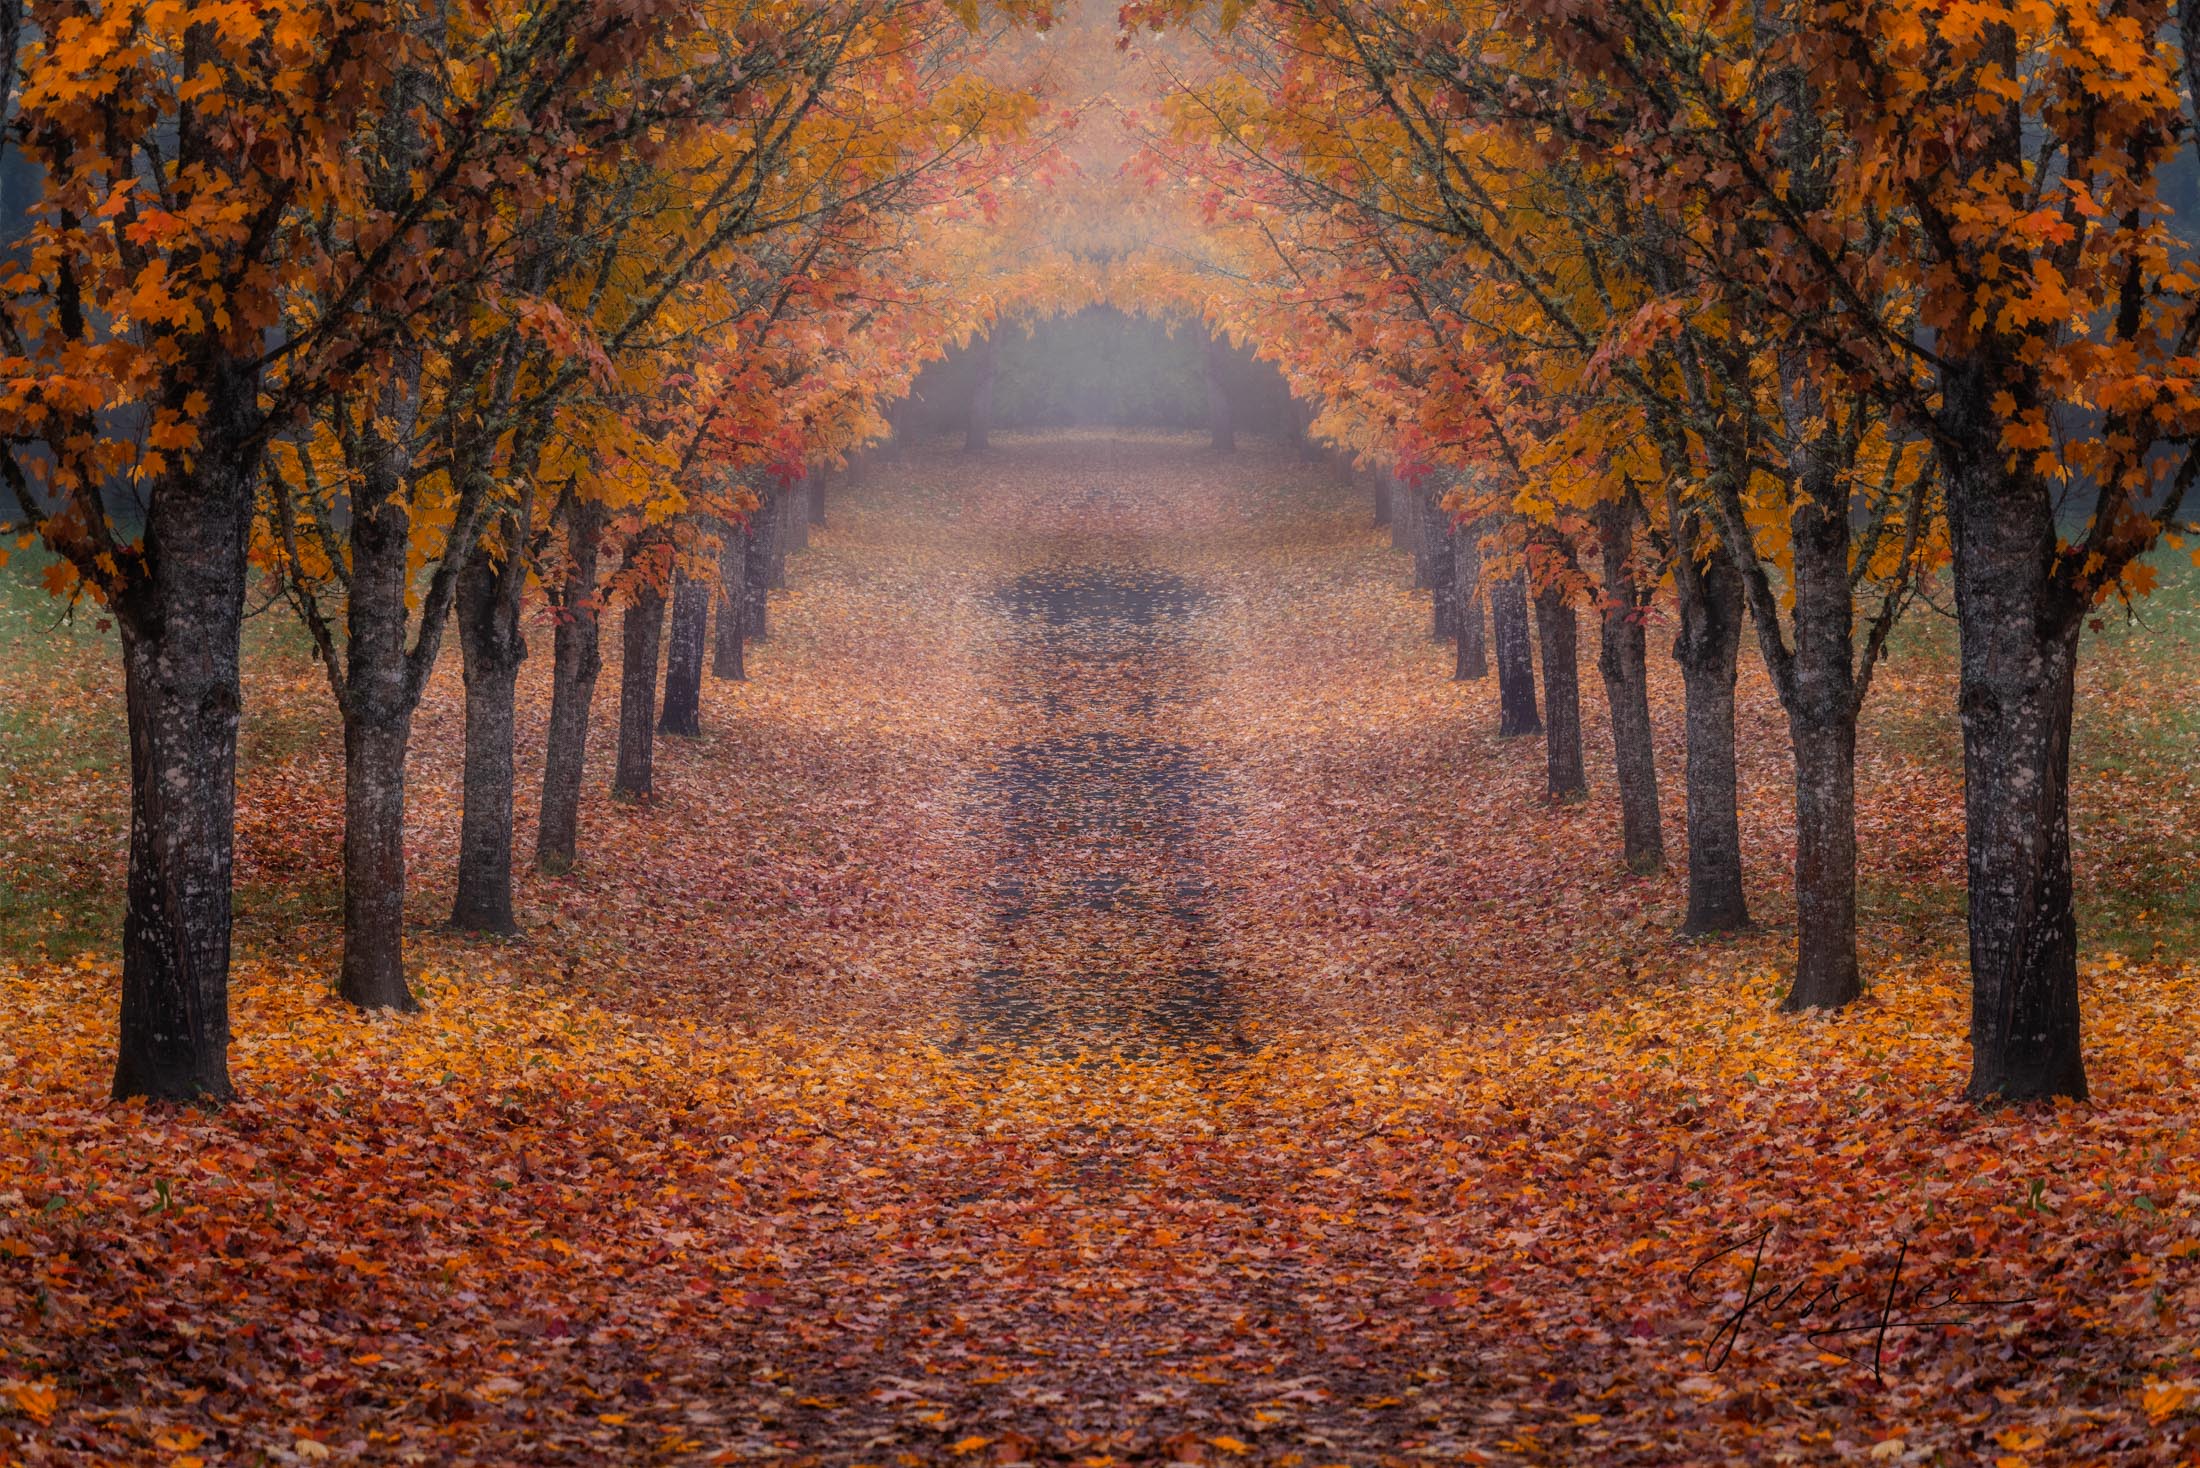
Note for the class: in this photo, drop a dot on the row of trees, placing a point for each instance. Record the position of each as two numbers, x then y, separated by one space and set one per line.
410 309
1775 310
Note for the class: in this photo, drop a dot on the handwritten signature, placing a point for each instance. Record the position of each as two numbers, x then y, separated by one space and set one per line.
1831 1313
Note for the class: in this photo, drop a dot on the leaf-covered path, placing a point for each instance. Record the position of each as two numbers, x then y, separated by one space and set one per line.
1101 994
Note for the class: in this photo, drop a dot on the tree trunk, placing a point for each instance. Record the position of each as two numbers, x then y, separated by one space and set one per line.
1438 553
642 631
977 428
726 652
180 629
1622 660
576 661
756 575
1474 658
817 499
377 725
683 709
1821 708
775 578
1221 416
1556 630
1516 715
2018 632
1382 501
1400 501
1708 650
797 526
491 650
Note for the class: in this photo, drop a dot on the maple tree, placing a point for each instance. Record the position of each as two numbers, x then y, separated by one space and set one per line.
1096 986
148 367
1751 248
471 252
2019 299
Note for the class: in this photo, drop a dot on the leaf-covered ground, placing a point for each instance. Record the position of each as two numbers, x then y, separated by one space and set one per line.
1101 994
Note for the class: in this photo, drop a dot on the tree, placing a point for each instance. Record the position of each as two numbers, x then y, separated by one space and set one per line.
2020 302
186 153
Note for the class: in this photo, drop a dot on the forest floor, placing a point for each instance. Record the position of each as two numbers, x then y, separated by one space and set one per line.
1101 993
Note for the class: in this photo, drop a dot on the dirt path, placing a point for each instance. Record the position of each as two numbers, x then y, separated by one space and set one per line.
1091 826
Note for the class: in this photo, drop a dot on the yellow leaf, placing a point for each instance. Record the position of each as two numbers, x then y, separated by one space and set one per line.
2165 1399
35 1400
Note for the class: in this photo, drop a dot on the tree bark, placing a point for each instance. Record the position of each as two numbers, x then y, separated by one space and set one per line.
1221 415
683 707
977 428
1474 658
180 624
1439 552
377 725
756 576
1381 482
1708 648
642 631
491 650
1516 714
797 526
782 537
1558 632
577 659
726 652
1820 696
1622 660
817 498
1399 498
2018 630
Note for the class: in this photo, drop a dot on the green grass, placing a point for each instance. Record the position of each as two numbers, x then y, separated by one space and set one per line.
64 754
2135 762
63 751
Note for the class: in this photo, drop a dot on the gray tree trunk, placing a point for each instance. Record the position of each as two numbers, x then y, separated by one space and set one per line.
1558 633
377 727
491 650
1439 553
641 633
180 624
1474 658
1623 662
2019 626
757 575
726 650
577 660
1516 712
782 539
1821 708
1708 648
683 706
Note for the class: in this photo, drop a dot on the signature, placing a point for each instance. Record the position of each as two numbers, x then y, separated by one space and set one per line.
1852 1322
